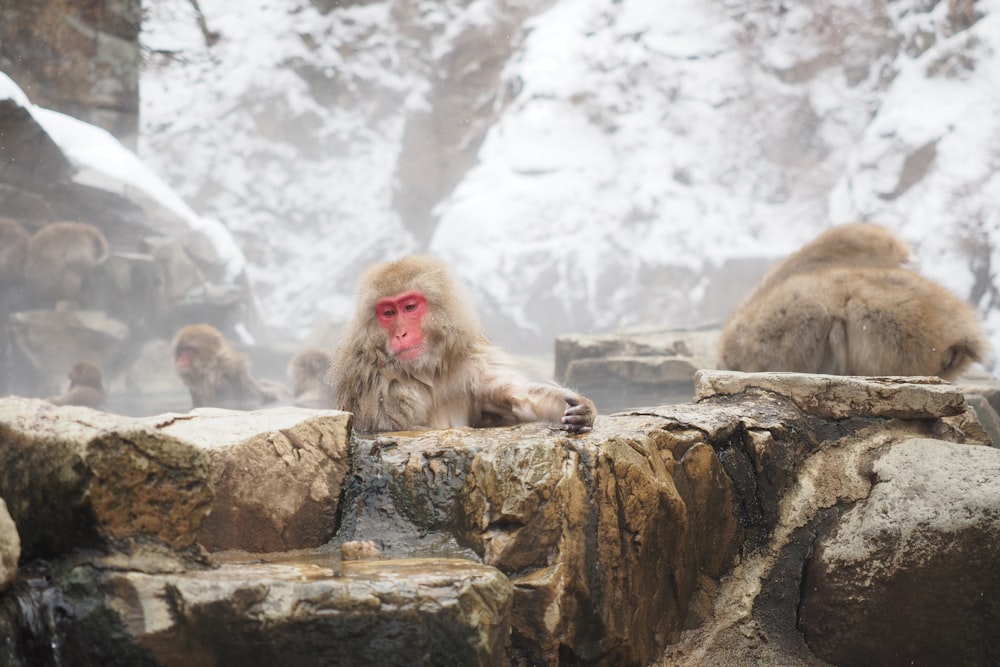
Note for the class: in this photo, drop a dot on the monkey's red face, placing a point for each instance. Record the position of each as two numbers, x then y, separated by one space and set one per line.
184 357
400 317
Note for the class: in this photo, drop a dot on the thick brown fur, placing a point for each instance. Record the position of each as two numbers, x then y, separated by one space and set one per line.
85 386
308 373
461 379
836 311
218 374
854 244
61 257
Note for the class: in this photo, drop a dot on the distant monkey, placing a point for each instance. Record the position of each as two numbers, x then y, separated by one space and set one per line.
850 316
414 357
215 373
85 386
308 372
13 248
61 257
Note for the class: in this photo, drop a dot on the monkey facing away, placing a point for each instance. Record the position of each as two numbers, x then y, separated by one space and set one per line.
415 357
847 315
85 386
61 257
215 373
308 372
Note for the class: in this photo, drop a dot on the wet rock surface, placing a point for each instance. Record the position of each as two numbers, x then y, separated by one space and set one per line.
729 531
905 557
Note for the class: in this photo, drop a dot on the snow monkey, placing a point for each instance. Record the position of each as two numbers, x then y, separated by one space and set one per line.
61 257
85 386
415 357
215 372
845 305
308 371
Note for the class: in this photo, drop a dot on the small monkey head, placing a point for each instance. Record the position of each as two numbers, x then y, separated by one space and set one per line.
85 374
194 345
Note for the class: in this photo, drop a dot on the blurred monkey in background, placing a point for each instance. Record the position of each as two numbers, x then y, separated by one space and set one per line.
215 373
85 386
61 258
308 373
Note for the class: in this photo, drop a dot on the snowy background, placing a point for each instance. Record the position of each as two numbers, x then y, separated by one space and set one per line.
584 165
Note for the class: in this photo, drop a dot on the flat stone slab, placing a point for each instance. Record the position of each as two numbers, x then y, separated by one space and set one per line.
839 396
698 347
385 612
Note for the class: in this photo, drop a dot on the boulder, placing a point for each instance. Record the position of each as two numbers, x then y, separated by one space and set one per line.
277 474
252 481
908 575
78 478
10 547
796 483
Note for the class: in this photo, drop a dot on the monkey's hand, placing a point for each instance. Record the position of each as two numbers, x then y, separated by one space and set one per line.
579 415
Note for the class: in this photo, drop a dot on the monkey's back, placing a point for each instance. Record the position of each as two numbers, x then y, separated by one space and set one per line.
855 321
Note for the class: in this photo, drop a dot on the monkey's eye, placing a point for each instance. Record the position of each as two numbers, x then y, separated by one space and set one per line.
410 307
388 312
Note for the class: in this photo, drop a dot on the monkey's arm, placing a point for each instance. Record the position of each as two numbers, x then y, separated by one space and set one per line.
504 389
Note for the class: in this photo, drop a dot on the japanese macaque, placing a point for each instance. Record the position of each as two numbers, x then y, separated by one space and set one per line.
415 357
85 386
844 312
215 373
308 372
61 257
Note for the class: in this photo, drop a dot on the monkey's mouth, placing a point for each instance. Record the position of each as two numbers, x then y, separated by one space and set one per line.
409 353
183 359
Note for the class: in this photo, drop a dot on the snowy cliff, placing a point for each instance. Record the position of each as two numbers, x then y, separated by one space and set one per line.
583 164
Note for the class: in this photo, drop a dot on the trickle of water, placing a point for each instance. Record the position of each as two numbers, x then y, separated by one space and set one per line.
33 638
